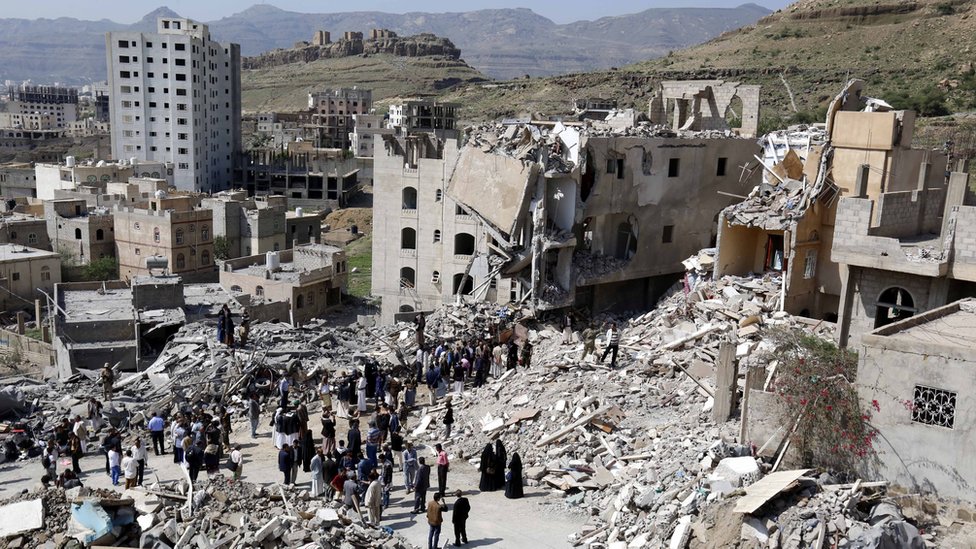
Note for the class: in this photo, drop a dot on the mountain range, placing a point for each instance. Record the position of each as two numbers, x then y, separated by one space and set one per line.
502 43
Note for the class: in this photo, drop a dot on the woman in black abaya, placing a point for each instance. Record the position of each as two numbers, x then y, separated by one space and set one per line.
487 468
513 488
501 458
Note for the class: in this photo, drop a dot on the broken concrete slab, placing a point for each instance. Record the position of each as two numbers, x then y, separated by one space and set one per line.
21 517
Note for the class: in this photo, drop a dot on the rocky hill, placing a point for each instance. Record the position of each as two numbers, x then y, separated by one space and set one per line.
502 43
915 54
421 45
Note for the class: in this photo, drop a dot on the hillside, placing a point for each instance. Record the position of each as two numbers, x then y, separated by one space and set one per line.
502 43
285 87
916 54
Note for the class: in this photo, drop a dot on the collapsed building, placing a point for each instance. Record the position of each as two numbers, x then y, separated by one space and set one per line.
587 215
788 222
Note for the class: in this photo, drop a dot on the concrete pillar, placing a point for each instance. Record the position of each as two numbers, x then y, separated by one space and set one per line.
37 311
21 318
955 196
46 333
921 196
845 307
726 376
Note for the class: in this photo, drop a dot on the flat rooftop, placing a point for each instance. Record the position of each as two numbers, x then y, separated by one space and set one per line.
953 325
94 305
12 253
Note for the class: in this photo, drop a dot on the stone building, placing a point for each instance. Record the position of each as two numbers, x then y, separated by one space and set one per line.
70 174
302 227
25 273
176 98
700 105
18 179
173 228
310 278
915 374
79 232
367 131
307 176
249 226
24 230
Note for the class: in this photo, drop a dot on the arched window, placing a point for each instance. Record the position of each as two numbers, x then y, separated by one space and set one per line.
438 195
155 234
408 239
408 278
894 304
179 236
299 301
32 238
180 261
259 291
311 298
205 257
155 175
406 309
464 289
106 178
100 234
205 233
437 235
409 198
13 235
276 246
193 228
464 244
236 288
45 273
77 234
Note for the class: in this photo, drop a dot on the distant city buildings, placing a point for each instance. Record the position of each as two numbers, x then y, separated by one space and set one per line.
176 98
40 108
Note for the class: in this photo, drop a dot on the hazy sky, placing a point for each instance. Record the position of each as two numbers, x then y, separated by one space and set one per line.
560 11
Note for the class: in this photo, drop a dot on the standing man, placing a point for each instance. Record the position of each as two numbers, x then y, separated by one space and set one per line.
420 322
435 517
409 466
130 469
254 414
108 380
156 432
318 479
589 342
448 420
421 484
613 341
285 462
567 330
462 508
237 461
361 387
442 467
140 454
374 499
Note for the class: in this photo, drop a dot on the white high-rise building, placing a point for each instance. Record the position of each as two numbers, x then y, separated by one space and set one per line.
176 97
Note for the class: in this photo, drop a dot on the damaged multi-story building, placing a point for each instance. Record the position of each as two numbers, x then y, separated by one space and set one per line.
788 223
577 214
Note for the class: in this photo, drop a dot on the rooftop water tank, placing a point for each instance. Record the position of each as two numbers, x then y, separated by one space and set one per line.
69 161
298 211
272 261
160 194
156 262
133 160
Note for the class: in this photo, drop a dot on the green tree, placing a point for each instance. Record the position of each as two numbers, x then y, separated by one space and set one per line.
221 247
105 268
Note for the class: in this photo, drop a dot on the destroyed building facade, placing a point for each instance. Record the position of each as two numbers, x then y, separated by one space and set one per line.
330 116
590 216
903 252
309 278
788 223
698 105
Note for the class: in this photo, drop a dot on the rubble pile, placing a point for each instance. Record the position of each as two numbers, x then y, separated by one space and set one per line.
635 448
76 517
241 514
